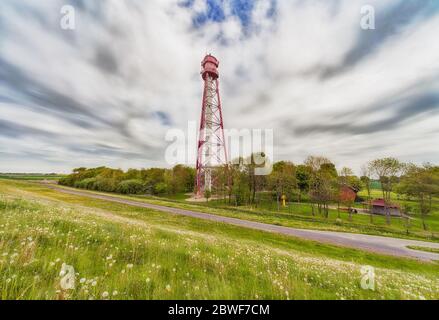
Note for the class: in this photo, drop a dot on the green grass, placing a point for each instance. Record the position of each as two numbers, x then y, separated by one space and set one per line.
30 176
164 256
424 249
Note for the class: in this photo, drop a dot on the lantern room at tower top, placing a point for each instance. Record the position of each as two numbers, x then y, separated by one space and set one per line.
210 67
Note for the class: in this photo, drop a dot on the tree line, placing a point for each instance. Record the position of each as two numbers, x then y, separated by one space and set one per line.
155 181
316 181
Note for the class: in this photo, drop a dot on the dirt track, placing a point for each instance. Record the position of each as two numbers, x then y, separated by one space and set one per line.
378 244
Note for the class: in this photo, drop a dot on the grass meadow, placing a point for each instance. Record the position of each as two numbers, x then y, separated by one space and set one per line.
30 176
122 252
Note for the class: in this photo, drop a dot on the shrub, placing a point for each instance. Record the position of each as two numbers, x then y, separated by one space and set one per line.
105 184
160 188
86 183
67 181
133 186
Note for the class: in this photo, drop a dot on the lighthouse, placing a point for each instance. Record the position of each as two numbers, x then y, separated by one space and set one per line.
211 147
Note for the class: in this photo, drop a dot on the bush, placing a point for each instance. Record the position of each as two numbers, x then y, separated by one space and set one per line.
86 183
67 181
105 184
133 186
160 188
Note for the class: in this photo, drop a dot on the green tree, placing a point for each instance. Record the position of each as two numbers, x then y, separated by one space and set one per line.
132 174
132 186
240 187
324 184
303 178
161 188
151 178
387 170
366 181
282 180
256 182
421 182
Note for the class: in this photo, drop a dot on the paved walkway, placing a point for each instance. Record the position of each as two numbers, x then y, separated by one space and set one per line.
378 244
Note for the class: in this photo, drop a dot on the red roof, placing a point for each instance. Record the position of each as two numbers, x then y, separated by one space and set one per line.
381 203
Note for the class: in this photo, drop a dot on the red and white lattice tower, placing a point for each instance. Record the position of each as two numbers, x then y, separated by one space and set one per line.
211 142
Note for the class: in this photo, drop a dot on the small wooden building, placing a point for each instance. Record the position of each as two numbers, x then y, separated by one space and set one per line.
378 206
347 194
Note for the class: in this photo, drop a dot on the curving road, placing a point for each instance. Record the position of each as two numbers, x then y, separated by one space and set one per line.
385 245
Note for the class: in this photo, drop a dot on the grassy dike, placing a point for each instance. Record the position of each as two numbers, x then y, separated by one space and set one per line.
163 256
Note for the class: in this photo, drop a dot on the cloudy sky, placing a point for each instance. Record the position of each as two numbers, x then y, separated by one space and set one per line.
107 92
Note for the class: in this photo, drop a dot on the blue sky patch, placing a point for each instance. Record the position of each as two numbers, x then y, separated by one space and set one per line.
242 9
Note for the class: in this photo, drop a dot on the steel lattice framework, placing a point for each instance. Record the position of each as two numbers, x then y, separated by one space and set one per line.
211 142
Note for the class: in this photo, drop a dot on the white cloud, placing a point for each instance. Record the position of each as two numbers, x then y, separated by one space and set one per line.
129 60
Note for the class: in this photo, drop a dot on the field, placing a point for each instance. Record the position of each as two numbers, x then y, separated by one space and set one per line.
30 176
122 252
